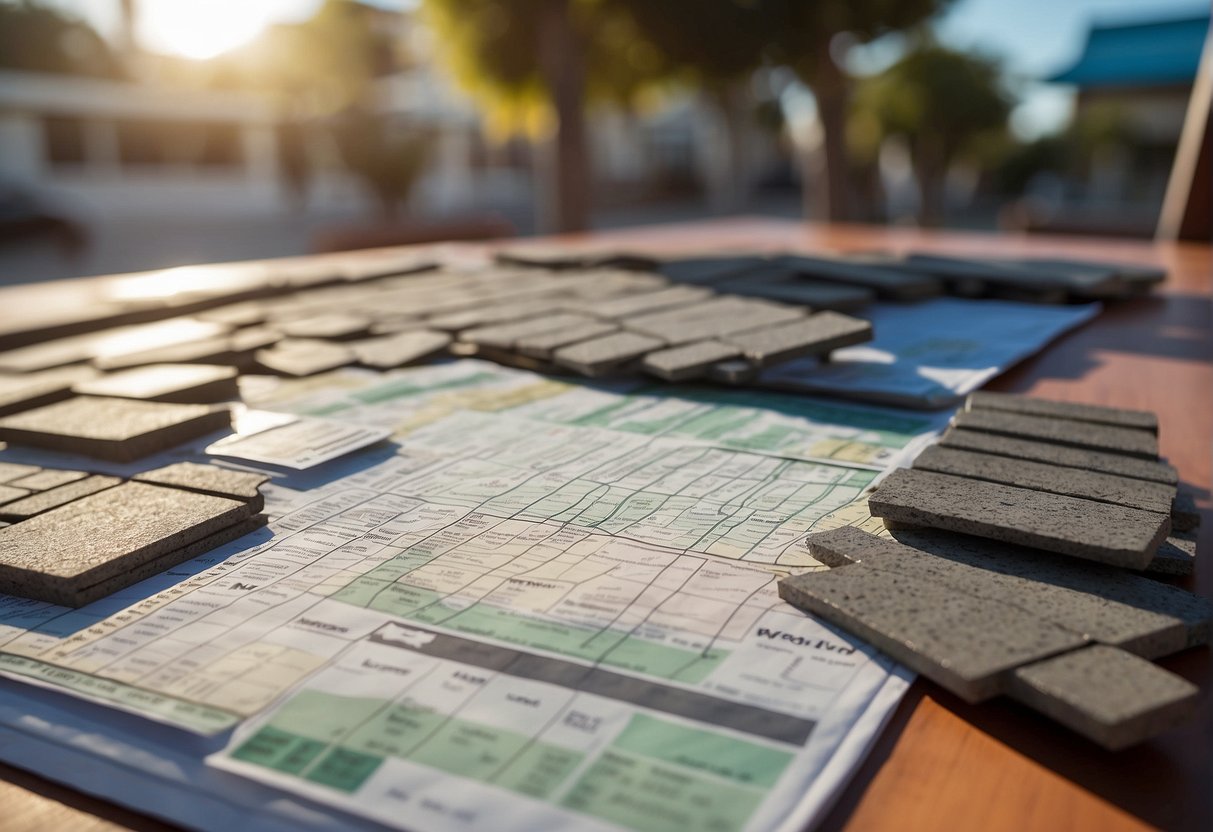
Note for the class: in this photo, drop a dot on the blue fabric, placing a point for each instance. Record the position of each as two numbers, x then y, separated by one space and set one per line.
1139 54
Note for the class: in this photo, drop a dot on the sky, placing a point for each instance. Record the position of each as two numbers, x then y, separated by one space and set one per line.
1035 38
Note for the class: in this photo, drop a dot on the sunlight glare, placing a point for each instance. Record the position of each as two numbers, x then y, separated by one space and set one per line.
202 30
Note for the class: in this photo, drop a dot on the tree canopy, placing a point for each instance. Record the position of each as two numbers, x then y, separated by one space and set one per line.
36 38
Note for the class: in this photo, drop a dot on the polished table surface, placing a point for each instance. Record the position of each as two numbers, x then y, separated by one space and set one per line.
941 763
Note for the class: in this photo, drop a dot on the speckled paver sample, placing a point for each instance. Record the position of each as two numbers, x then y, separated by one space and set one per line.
887 282
41 501
400 349
964 643
1055 479
505 336
299 357
814 335
1128 441
121 430
600 356
1109 696
1108 463
1102 532
197 383
688 361
1185 516
19 393
1102 603
1030 406
543 345
108 533
207 479
1176 555
48 478
922 604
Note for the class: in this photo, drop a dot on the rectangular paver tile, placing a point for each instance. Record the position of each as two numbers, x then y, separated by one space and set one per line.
1102 532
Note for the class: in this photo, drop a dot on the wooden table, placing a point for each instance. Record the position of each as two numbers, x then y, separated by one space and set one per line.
943 764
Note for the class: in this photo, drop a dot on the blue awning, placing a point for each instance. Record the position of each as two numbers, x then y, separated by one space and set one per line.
1158 53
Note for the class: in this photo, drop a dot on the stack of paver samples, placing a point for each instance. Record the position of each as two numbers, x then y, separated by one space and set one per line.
70 537
1015 569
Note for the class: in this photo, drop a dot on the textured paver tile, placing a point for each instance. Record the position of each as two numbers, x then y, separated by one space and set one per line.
48 478
712 319
599 356
888 281
636 304
110 343
786 287
1010 403
1039 476
1108 463
43 501
1106 694
335 326
712 269
401 348
543 345
207 479
78 595
965 644
1116 586
1185 516
486 313
297 357
1103 604
814 335
1128 441
505 336
19 393
121 430
1107 533
688 361
107 534
10 471
995 274
1176 555
198 383
9 493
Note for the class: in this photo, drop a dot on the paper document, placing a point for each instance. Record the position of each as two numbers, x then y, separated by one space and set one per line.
933 353
547 606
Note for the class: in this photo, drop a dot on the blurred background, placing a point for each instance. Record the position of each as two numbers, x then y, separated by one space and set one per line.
138 134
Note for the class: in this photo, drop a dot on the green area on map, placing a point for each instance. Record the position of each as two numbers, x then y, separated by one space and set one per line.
617 648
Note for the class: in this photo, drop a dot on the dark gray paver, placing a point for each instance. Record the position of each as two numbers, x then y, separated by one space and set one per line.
966 644
1108 463
1102 532
1055 479
1102 603
1010 403
600 356
1108 695
1127 441
814 335
400 349
689 361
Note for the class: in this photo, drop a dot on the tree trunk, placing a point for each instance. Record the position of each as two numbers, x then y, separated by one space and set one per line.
566 183
730 185
829 196
930 169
